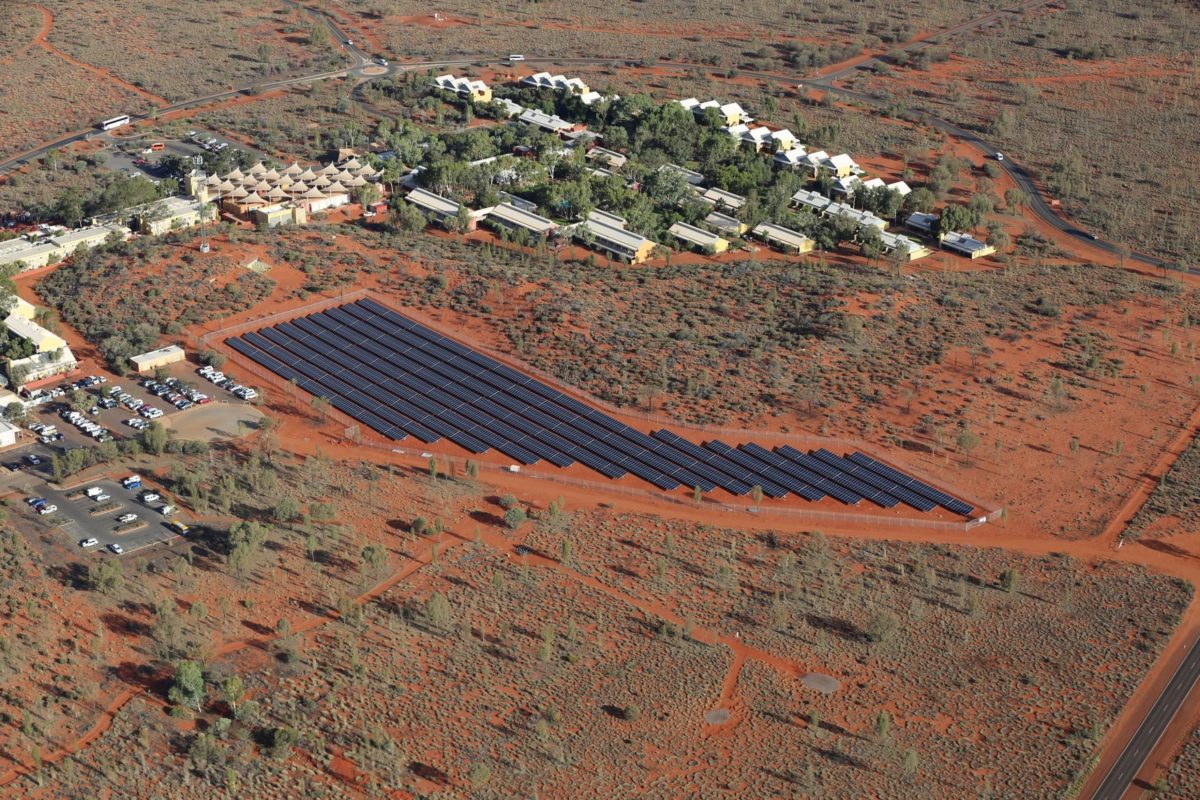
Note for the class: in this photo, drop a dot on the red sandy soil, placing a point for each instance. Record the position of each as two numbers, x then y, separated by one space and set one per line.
103 74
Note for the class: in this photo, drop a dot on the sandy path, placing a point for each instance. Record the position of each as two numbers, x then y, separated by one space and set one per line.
103 74
39 39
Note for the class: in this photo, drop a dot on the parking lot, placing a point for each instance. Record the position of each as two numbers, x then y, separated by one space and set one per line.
130 156
122 419
80 517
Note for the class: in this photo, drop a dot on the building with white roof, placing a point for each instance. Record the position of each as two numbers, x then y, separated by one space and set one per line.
697 237
789 159
900 187
725 223
904 247
509 216
606 232
785 239
720 197
551 123
610 158
691 176
476 90
163 356
840 165
544 80
967 245
732 113
810 199
436 207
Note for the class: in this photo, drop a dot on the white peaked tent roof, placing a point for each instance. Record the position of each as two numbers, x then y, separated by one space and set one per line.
259 167
226 186
336 188
294 169
307 175
239 193
212 180
249 181
262 186
270 175
253 199
328 169
358 180
313 194
344 175
298 187
235 175
366 170
277 194
321 181
353 163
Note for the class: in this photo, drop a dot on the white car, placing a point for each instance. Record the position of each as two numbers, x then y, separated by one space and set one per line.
47 509
89 542
126 518
999 156
150 497
116 548
100 498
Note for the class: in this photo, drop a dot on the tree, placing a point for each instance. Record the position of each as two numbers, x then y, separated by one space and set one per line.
286 509
106 576
14 412
154 438
232 688
367 194
910 762
1009 579
374 556
953 218
515 517
883 725
882 627
437 610
187 687
967 441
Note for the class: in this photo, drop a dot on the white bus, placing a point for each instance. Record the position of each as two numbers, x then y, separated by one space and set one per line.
115 122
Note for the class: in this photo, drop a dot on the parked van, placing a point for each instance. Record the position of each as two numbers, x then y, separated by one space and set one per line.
94 491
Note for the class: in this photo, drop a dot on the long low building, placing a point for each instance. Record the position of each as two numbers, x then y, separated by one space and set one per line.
168 214
509 216
725 223
901 245
474 89
434 205
784 238
967 245
606 232
35 253
697 237
148 362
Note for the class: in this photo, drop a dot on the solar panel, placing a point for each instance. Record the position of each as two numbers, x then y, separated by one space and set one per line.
773 482
817 486
941 498
873 487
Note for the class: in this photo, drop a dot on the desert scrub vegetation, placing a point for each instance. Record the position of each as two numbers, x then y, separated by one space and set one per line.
758 34
736 340
1061 91
1183 777
1176 498
904 628
37 81
125 295
190 49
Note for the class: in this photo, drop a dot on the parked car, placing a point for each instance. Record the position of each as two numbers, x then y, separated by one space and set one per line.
124 518
33 460
116 548
89 542
100 498
150 497
49 508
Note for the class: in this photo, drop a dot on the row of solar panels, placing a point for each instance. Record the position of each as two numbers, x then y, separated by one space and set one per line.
399 377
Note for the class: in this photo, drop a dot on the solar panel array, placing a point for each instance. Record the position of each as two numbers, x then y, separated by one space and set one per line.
401 378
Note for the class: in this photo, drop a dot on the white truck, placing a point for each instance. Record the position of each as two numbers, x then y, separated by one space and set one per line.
94 491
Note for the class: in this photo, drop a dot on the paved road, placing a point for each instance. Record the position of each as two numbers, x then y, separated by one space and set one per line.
1138 748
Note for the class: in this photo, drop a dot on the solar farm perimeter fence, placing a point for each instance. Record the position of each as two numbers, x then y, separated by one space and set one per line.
800 441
